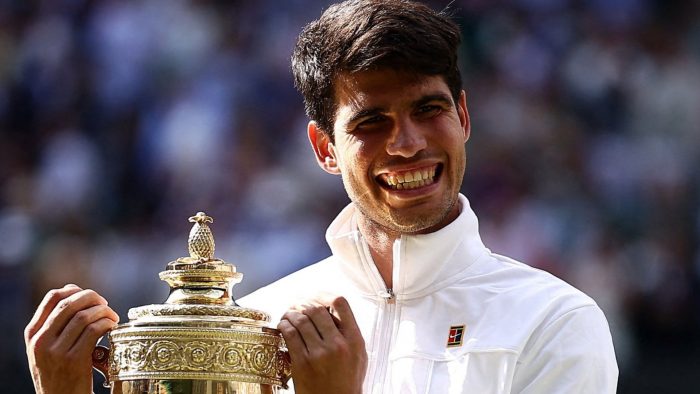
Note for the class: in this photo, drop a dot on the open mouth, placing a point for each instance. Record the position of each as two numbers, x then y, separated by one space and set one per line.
412 179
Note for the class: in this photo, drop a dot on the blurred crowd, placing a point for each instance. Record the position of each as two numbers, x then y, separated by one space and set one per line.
120 119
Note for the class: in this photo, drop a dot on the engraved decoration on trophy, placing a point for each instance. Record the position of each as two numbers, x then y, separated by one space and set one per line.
199 341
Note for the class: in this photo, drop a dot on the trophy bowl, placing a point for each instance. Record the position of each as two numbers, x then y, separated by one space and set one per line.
199 341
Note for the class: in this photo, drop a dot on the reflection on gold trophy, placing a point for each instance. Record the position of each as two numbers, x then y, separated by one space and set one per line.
199 341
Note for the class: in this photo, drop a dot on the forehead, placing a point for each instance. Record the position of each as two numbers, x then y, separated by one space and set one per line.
384 88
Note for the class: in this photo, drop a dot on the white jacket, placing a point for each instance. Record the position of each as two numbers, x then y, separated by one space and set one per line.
525 331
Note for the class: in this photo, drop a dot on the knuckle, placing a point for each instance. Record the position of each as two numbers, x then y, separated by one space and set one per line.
312 310
93 297
63 304
92 330
28 333
283 325
340 346
97 328
53 353
286 328
297 318
53 294
82 318
107 312
304 321
90 293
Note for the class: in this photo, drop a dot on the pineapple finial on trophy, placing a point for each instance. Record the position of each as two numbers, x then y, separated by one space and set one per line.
201 239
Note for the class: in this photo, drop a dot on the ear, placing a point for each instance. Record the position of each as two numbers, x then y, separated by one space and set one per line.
323 148
464 115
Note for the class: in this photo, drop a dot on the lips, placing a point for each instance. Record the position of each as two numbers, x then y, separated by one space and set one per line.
410 179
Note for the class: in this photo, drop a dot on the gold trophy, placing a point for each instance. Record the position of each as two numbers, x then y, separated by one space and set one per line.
199 341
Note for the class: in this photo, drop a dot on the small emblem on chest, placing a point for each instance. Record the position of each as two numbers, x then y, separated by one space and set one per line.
455 336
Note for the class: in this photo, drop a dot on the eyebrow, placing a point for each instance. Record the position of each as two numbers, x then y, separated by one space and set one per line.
441 97
367 112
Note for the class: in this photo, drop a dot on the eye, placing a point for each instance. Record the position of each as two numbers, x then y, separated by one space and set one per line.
371 122
429 110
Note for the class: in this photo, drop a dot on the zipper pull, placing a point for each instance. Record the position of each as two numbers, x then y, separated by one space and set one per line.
388 296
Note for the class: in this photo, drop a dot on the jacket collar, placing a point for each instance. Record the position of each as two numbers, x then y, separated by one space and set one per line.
422 263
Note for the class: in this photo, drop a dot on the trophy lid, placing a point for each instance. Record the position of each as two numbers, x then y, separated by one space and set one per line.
200 285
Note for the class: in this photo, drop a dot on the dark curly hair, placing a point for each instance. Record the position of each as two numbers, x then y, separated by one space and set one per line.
361 35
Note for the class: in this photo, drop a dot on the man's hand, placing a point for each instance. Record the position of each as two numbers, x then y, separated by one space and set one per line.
61 336
325 346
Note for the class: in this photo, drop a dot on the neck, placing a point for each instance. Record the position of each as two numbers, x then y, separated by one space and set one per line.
381 241
381 246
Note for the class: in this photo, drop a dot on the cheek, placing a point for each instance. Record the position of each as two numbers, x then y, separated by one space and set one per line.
355 168
356 156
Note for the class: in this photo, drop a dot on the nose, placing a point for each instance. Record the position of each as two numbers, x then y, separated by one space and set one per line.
406 139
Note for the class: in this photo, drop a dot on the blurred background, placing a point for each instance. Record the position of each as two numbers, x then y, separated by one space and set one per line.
120 119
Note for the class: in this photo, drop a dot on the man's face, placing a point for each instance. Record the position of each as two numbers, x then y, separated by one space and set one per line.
399 147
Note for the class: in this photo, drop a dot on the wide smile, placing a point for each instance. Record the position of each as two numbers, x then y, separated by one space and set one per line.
410 179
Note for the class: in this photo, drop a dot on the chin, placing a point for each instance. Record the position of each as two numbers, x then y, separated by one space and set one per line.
413 224
421 220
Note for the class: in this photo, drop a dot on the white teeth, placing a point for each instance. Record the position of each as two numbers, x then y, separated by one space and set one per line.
417 175
411 180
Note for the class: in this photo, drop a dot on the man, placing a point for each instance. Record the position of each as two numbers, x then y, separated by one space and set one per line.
410 300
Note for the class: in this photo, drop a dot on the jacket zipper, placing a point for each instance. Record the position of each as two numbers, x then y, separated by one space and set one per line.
377 376
385 339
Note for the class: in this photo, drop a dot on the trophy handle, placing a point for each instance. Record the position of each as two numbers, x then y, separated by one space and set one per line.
286 367
100 362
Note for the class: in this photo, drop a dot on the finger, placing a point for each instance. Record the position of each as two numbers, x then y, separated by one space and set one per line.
77 324
85 344
347 323
306 328
322 320
51 299
338 308
293 340
67 308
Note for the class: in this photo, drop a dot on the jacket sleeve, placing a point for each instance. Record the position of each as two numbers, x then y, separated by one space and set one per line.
571 354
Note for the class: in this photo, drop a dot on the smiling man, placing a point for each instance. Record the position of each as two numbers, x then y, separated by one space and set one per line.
411 301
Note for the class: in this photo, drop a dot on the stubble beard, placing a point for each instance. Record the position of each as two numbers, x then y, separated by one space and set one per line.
401 221
405 220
